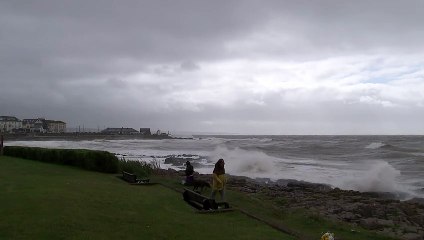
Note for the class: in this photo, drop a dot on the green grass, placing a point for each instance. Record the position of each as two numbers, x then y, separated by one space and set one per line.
46 201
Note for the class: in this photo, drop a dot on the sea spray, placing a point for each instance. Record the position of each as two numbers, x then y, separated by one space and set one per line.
378 176
244 162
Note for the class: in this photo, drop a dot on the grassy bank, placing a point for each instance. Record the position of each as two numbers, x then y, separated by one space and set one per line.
46 201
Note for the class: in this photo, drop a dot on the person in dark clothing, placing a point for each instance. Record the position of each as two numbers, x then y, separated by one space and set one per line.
189 171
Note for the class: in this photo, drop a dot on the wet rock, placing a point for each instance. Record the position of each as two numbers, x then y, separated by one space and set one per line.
384 195
307 185
369 223
409 209
263 180
418 219
347 216
385 223
416 200
412 236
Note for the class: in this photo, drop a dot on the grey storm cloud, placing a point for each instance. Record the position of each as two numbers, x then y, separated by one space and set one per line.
215 65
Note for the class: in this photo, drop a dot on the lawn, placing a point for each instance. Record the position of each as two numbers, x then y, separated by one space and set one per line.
47 201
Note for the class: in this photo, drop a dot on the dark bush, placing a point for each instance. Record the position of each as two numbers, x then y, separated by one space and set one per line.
100 161
141 169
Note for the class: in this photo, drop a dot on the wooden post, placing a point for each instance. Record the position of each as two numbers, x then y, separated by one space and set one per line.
1 145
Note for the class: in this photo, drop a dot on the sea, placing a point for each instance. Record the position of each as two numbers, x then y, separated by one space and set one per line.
392 164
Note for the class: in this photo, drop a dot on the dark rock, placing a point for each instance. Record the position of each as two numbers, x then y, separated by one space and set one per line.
385 223
384 195
416 200
412 236
409 209
347 216
307 185
369 223
418 219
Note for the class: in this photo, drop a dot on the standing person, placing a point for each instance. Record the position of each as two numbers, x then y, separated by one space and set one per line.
1 145
219 180
189 171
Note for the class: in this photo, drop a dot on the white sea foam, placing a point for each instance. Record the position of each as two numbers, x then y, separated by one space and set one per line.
244 162
257 164
265 140
254 140
377 176
375 145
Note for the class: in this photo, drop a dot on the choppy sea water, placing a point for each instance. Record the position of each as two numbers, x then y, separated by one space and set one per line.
364 163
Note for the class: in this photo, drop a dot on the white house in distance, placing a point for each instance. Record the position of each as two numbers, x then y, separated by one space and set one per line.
55 126
41 125
9 123
34 125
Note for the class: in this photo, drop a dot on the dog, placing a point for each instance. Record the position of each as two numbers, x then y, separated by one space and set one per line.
199 185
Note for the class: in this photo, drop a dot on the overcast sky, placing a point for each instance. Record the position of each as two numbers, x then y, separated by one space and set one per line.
242 67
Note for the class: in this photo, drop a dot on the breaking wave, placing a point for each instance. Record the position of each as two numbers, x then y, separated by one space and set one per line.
376 145
245 162
376 176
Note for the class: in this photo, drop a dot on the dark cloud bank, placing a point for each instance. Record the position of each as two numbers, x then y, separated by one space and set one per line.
216 66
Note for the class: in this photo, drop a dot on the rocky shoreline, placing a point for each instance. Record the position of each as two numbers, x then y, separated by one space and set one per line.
379 212
373 211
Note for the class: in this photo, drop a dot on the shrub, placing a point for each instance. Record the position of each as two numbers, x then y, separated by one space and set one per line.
139 168
100 161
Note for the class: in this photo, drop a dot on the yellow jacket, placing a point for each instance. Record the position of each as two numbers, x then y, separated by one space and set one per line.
218 182
327 236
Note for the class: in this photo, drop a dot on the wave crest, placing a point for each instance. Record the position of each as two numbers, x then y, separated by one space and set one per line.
376 145
244 162
380 177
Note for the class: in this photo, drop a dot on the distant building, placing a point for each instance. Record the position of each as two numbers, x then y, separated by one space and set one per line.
41 125
9 124
120 131
145 131
55 126
160 133
34 125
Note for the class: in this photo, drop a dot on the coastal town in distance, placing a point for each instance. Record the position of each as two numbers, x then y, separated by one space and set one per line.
33 128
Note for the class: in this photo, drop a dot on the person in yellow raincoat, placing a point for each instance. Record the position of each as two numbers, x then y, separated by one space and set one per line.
219 180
